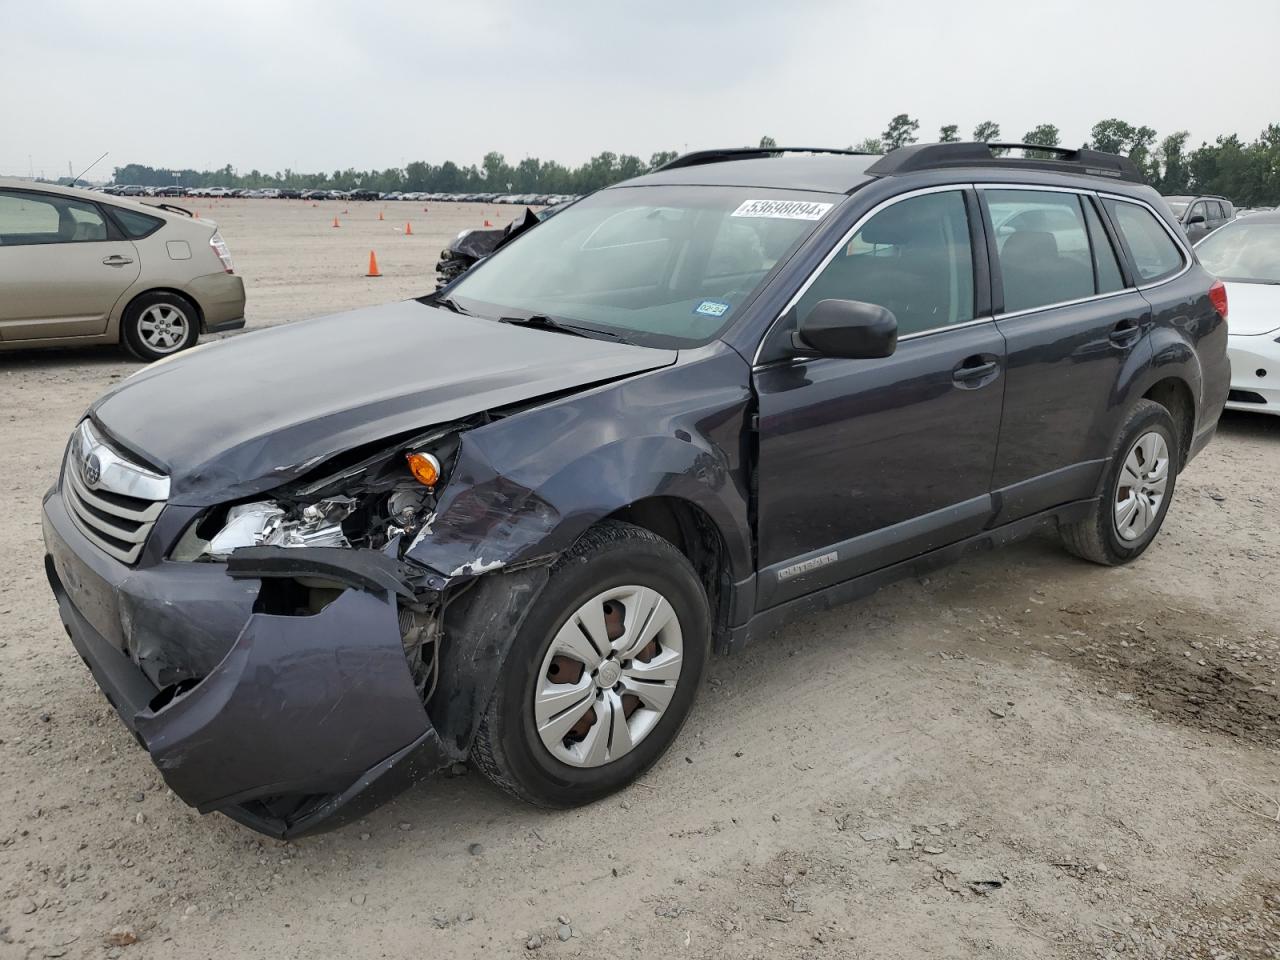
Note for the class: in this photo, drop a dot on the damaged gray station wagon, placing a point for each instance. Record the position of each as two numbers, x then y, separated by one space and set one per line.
509 522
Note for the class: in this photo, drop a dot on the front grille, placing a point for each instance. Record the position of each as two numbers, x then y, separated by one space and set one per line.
117 510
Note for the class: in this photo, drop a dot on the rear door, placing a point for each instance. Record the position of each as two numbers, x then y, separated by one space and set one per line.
63 266
865 463
1073 323
1218 214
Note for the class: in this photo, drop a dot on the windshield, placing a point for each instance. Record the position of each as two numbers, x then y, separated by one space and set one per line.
1179 207
663 266
1245 251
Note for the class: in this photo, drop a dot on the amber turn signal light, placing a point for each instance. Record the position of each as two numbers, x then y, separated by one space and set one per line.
425 468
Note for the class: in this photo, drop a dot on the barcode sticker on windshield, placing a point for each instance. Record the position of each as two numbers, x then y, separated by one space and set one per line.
782 209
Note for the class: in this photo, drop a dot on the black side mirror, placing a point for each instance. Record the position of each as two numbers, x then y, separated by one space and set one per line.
847 328
1197 218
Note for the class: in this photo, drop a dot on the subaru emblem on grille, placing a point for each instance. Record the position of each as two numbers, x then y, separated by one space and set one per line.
92 469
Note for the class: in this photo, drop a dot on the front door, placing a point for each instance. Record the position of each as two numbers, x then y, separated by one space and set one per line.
61 266
1200 229
864 463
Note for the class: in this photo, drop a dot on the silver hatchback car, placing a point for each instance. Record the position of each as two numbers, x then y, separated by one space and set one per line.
79 268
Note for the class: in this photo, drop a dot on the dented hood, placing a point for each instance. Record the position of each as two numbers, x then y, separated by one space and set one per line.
239 416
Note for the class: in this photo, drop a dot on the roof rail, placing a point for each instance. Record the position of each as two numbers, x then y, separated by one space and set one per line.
699 157
932 156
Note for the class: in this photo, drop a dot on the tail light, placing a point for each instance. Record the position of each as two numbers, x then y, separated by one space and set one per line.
220 248
1218 297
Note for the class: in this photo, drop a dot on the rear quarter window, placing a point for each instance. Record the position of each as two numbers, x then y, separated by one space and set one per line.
1153 252
134 224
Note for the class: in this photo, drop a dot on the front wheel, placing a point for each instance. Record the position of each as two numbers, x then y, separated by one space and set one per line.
1137 490
603 672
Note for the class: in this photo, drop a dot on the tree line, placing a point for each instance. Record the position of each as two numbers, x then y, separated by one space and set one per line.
1246 172
493 175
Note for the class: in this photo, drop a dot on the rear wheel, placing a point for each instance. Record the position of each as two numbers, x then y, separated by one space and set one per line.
1136 493
158 325
603 672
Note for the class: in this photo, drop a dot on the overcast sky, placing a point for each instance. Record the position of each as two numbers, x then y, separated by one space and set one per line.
321 85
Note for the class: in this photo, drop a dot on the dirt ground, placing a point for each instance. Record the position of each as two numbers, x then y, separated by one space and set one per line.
1022 756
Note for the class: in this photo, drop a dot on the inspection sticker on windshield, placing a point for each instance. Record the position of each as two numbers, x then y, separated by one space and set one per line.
712 308
782 209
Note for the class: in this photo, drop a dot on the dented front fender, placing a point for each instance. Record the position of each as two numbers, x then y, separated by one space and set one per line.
526 486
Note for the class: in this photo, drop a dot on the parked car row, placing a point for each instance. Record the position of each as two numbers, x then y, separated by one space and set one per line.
288 193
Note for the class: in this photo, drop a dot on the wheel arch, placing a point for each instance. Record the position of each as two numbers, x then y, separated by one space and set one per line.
1174 394
691 530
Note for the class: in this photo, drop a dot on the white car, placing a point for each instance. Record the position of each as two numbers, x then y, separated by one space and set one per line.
1245 255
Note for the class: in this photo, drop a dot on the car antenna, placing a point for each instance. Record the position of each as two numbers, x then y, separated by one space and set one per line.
75 180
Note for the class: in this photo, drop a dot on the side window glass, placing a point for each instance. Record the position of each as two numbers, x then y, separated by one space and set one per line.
31 218
1043 247
1198 210
913 258
1154 253
1105 264
26 218
87 222
136 225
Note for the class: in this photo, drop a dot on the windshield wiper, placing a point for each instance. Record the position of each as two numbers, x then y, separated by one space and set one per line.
450 304
540 321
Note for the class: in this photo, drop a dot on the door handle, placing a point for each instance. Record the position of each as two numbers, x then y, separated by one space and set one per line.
115 260
975 371
1125 333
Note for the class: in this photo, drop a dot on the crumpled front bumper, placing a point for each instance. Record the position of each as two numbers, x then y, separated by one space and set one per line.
307 721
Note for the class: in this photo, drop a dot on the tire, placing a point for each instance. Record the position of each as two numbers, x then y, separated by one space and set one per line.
1104 536
158 325
569 771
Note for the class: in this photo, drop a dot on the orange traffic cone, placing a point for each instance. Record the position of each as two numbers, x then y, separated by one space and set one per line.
336 223
373 266
408 229
380 216
197 214
488 224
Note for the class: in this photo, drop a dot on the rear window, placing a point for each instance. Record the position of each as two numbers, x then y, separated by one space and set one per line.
1043 247
1152 250
136 225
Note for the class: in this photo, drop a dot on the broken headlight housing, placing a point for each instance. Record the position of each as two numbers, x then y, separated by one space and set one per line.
368 503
